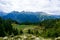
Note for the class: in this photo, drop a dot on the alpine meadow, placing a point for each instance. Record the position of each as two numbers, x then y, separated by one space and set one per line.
29 19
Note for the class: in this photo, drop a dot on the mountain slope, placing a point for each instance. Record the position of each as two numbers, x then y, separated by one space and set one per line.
22 17
2 14
29 16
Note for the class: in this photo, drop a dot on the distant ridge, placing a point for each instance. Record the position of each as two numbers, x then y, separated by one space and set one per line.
28 16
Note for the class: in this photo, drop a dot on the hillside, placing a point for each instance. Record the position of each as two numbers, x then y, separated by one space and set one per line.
30 25
30 17
51 28
47 29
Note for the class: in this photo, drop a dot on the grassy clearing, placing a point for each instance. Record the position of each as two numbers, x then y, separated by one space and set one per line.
23 26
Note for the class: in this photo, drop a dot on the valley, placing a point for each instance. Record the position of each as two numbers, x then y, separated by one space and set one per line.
29 26
25 35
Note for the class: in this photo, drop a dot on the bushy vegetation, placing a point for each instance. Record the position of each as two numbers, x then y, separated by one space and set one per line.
51 28
6 28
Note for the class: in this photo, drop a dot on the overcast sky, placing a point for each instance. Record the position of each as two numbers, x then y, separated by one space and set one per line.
49 6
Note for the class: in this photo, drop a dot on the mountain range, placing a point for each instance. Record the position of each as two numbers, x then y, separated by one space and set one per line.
28 16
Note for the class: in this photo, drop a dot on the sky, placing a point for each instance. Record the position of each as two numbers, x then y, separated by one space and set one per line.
48 6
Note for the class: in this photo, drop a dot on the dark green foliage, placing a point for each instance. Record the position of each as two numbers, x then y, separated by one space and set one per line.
15 31
36 32
30 31
2 32
6 28
51 28
21 32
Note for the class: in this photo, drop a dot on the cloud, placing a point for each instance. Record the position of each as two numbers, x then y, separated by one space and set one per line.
49 6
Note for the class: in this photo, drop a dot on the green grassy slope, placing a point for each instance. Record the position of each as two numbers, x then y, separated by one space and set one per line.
23 26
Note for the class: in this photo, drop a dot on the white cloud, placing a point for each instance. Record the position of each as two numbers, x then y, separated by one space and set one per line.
48 6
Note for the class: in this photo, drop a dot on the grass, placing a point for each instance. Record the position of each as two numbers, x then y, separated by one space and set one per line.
1 38
23 26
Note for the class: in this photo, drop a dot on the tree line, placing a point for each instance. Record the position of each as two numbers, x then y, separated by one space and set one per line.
6 28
